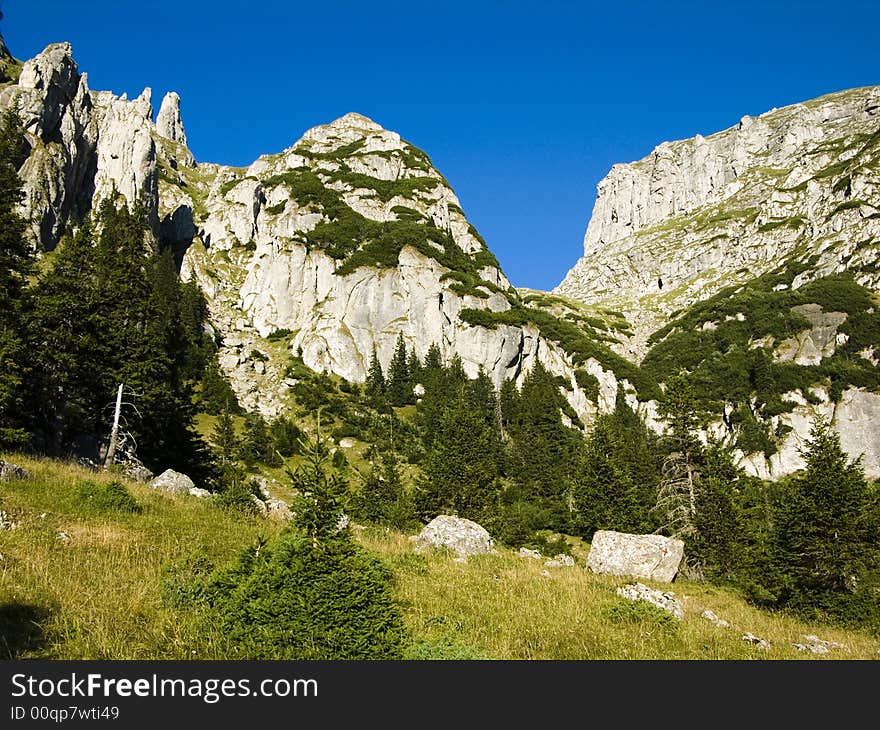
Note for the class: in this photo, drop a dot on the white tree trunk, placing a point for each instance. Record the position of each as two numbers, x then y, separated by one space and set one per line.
114 432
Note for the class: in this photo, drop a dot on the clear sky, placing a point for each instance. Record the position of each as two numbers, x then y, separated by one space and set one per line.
523 106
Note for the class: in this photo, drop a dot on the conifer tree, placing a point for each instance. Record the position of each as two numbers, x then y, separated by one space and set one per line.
462 466
399 387
826 531
375 378
16 263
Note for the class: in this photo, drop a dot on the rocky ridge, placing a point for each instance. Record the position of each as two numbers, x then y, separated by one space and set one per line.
700 214
344 240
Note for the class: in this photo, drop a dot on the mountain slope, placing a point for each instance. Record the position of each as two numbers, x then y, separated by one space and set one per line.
704 213
336 245
748 259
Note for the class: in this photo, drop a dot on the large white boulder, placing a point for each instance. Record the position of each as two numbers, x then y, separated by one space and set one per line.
172 482
652 557
459 535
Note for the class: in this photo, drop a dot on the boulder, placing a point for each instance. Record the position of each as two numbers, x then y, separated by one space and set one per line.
756 640
560 561
262 510
712 617
346 443
664 600
199 492
172 482
9 471
814 645
137 472
461 536
525 552
652 557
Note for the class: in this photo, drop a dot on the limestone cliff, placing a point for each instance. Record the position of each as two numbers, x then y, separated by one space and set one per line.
679 241
342 241
703 213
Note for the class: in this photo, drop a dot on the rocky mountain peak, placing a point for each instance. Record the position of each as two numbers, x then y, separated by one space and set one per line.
169 123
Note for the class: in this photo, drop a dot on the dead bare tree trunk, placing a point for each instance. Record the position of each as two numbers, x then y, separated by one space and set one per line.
114 432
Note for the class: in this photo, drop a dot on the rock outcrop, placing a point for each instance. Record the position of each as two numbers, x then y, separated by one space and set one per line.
463 537
652 557
172 482
10 472
664 600
703 213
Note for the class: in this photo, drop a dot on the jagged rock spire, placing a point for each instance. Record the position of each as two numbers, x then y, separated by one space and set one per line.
169 123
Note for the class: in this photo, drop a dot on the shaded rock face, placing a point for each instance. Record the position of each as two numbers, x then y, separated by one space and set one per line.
84 146
652 557
461 536
172 482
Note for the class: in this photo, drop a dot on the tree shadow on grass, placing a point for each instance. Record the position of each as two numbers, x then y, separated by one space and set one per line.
21 629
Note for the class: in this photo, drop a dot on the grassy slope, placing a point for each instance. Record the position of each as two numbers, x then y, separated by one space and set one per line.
99 594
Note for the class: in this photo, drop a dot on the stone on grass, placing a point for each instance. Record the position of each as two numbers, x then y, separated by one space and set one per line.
172 482
199 492
525 552
713 618
814 645
461 536
560 561
652 557
756 640
9 471
663 600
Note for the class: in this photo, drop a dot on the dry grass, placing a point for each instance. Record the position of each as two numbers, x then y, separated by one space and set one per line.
503 607
98 594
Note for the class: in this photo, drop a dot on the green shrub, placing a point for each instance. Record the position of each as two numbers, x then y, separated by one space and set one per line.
184 582
639 612
107 497
301 599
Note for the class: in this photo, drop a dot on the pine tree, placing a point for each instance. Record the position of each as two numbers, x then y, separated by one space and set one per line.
717 521
257 444
676 503
399 386
382 498
826 531
375 378
482 398
16 263
462 466
606 490
414 368
224 439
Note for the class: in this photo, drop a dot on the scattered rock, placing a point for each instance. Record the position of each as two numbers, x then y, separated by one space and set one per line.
62 537
652 557
346 443
344 522
525 552
172 482
757 641
546 573
560 561
664 600
260 505
137 472
278 509
6 521
199 492
815 645
9 471
462 536
713 618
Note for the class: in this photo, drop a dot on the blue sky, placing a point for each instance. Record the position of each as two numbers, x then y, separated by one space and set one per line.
523 106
